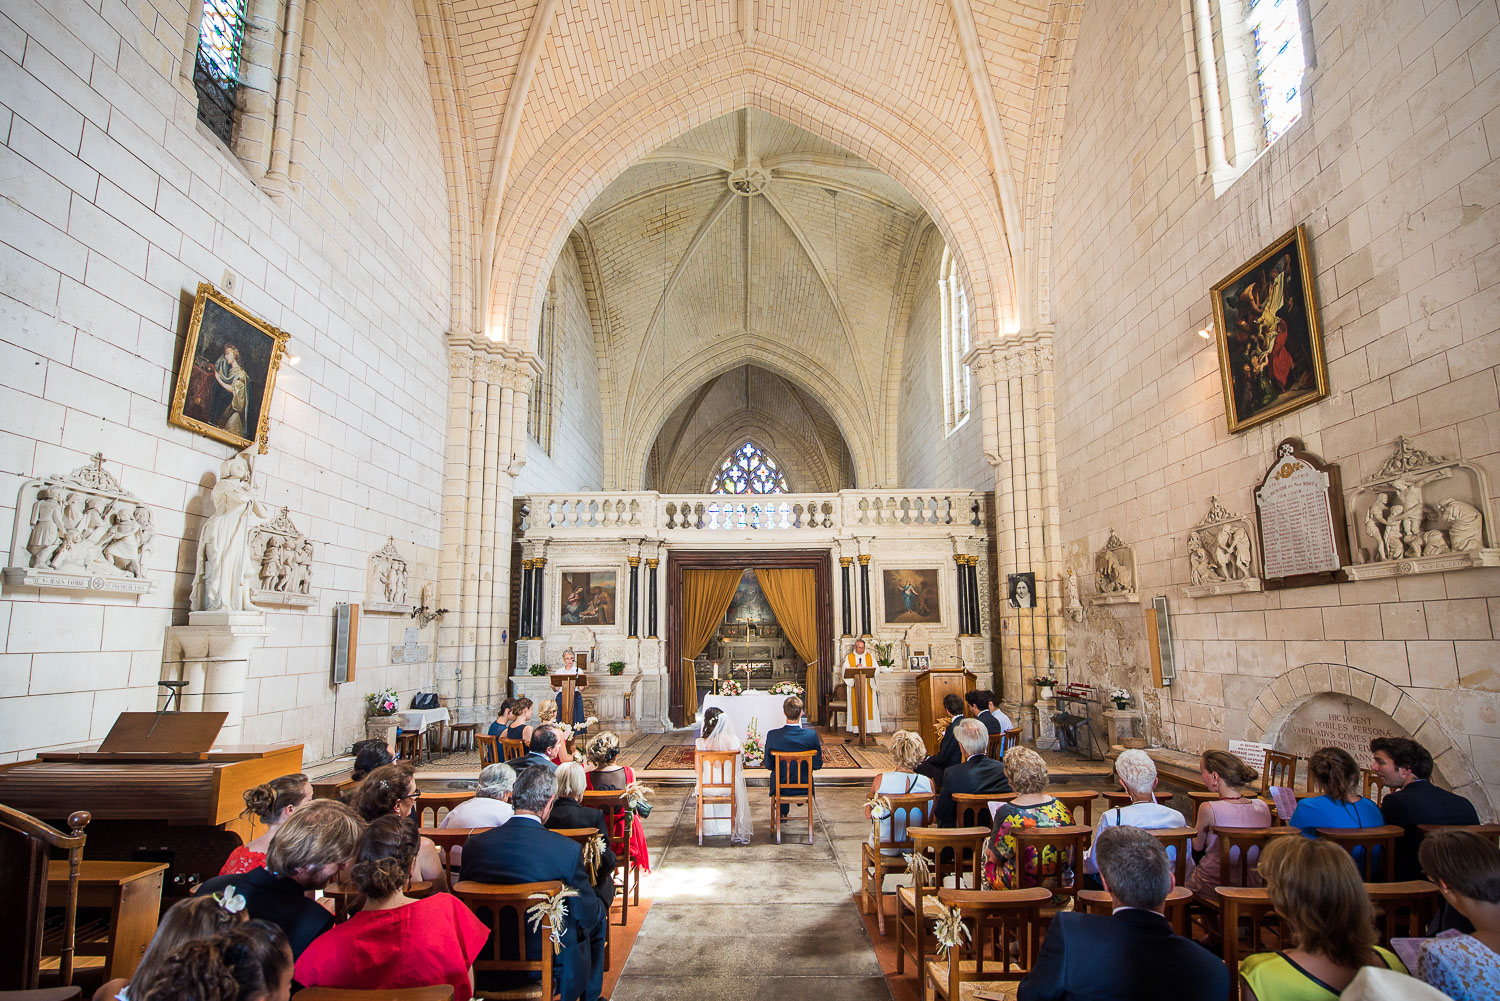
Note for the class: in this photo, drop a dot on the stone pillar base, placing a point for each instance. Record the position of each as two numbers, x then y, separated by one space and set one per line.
1042 728
212 654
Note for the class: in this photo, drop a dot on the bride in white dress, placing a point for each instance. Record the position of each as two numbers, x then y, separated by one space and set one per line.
719 735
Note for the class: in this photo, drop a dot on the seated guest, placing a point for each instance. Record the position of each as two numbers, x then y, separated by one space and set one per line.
1223 774
503 718
606 773
250 963
1032 807
520 720
393 789
991 716
490 806
948 752
203 916
271 804
1405 767
524 851
1466 868
1335 775
791 737
906 752
1136 773
1325 911
370 755
570 814
395 941
1123 957
976 773
307 851
978 702
546 750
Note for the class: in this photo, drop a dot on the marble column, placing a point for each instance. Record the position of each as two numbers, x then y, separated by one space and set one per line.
976 625
651 566
635 597
962 563
864 594
845 562
539 576
524 627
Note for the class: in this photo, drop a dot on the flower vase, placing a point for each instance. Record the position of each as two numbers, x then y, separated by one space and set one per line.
1121 705
382 728
753 762
1044 692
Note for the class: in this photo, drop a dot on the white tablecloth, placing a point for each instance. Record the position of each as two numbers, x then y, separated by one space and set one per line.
421 719
762 707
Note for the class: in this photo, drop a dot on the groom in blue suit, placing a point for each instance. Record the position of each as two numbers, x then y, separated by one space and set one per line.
792 737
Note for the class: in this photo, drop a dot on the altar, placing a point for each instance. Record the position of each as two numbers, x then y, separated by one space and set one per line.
763 708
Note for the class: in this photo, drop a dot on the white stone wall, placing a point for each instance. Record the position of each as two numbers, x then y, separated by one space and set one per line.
1392 169
116 204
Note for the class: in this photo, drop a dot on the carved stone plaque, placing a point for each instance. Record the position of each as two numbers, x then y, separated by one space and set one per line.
1221 554
1299 511
1333 720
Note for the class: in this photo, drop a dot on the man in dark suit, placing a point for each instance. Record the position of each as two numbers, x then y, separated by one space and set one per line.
976 773
792 737
978 702
569 813
524 851
545 751
948 752
1125 956
1405 767
990 714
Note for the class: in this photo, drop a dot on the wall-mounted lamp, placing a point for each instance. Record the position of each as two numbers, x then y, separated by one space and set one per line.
1207 333
294 359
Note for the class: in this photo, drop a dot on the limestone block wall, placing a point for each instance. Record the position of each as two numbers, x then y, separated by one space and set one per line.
1392 169
116 204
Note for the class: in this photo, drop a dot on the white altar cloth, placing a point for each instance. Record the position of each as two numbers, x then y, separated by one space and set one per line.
763 708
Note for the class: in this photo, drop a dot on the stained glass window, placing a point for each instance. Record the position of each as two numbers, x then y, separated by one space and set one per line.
749 471
1279 62
221 32
954 309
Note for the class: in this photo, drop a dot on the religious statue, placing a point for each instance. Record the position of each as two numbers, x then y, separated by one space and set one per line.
46 528
1113 578
122 542
225 572
1232 552
1075 601
1465 524
1200 566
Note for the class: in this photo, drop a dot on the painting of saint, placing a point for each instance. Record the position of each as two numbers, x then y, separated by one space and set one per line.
588 598
911 596
228 370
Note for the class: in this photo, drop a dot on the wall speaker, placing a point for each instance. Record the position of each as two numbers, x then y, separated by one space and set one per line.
1159 642
345 641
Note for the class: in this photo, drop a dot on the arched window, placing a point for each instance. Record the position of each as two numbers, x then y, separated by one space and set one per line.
954 309
748 470
216 74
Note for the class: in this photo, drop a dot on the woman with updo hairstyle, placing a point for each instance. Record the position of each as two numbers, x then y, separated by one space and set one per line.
605 773
186 921
520 721
1333 771
251 963
392 789
503 717
1223 774
271 804
395 941
370 755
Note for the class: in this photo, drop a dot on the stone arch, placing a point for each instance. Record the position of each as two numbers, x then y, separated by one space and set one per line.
1274 706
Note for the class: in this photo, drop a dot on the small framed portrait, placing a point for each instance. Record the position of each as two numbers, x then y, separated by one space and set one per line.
1270 344
1020 589
227 372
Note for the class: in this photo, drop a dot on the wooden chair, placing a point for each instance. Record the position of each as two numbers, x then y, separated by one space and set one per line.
1370 786
448 838
1079 799
44 994
1280 769
506 949
618 820
1490 831
838 706
441 992
511 748
462 734
1237 845
1002 742
1198 798
1071 845
874 863
435 737
792 785
489 749
1405 909
1120 798
1246 903
1372 848
1178 840
409 746
715 771
972 809
996 919
438 800
945 849
25 844
348 900
1100 902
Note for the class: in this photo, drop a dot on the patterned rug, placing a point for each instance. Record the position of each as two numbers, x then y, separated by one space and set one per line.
680 756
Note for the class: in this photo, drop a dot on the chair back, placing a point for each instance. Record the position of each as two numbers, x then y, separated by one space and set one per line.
25 844
996 919
715 771
619 818
1178 842
1252 903
489 749
1372 848
948 849
1078 799
794 775
1490 832
1370 785
511 748
1002 742
437 801
506 948
1176 907
446 839
972 809
582 835
1405 909
1063 872
441 992
902 805
1280 769
1239 852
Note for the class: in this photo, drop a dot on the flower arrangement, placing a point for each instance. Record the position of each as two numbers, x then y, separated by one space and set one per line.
1120 696
1045 681
941 726
538 670
731 687
755 751
382 703
787 688
616 668
883 655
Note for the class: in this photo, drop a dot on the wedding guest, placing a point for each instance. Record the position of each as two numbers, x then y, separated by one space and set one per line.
948 752
250 963
978 702
520 722
1333 771
1136 773
568 813
395 941
1326 913
906 753
791 737
370 755
198 917
503 718
546 748
306 852
608 774
1466 868
392 789
271 804
720 819
1122 957
490 806
991 715
1223 774
1031 807
1405 767
977 773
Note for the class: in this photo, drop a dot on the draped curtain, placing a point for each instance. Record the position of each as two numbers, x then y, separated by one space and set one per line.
706 595
792 594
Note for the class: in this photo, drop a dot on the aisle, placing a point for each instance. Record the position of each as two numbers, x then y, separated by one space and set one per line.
763 921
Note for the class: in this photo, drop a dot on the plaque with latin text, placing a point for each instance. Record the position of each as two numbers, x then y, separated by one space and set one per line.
1299 514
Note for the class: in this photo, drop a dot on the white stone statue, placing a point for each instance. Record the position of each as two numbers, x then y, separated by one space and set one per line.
1202 568
46 528
225 571
1075 600
1375 524
1465 524
1113 577
1232 552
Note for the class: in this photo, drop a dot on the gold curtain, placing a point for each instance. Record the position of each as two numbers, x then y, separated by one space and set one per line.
706 595
793 597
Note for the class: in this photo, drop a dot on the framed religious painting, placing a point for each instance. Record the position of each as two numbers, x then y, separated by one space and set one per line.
227 372
1270 344
588 598
911 596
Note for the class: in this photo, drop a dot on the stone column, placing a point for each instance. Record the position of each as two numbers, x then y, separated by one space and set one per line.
976 626
454 638
864 594
524 626
538 576
651 566
845 562
962 563
633 632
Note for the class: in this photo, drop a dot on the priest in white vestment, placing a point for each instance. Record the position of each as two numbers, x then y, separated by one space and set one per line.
859 658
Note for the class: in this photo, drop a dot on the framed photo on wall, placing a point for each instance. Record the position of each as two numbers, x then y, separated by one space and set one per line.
227 372
1270 344
911 596
1020 589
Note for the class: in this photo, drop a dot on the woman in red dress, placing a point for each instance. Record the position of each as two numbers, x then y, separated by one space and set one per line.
271 804
605 774
395 941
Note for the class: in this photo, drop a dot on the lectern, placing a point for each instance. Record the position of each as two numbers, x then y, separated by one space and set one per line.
863 687
932 685
566 684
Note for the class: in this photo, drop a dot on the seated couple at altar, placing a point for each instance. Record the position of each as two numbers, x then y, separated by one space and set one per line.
718 735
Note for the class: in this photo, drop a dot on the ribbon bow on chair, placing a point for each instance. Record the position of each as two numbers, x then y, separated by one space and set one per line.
552 907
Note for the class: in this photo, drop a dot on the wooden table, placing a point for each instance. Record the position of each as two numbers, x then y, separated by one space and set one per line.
131 891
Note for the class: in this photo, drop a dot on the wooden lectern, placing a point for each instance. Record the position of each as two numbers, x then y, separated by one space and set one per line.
566 684
932 685
863 681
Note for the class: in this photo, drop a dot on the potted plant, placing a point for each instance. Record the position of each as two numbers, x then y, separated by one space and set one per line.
1120 697
1044 686
883 655
616 668
755 752
380 715
538 670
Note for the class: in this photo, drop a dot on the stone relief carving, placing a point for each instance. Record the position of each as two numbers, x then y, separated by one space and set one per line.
1420 513
389 580
1115 572
1221 554
226 573
82 531
284 557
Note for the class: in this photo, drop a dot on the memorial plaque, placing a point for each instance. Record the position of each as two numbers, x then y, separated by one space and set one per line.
1333 720
1299 515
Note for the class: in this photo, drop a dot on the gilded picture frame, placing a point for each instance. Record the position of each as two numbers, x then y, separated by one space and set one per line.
1270 343
227 372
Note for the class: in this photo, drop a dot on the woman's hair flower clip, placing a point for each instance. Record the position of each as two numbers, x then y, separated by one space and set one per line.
230 901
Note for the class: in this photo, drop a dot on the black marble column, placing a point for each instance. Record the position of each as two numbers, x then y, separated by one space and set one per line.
848 600
538 575
635 596
524 620
974 623
864 595
651 566
963 594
